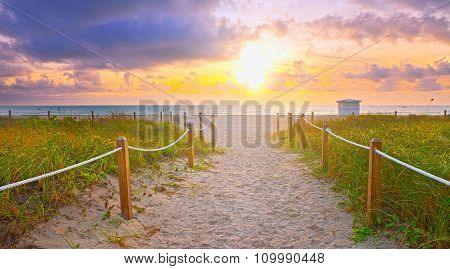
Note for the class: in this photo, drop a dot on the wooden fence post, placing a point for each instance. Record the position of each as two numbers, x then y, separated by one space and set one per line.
190 145
445 113
124 178
301 126
200 124
48 114
312 116
374 182
213 132
290 133
134 115
278 123
9 114
92 116
161 116
176 128
184 120
325 147
395 113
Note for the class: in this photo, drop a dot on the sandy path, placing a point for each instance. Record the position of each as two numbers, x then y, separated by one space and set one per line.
254 196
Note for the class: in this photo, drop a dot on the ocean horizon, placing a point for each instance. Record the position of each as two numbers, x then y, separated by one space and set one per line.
103 110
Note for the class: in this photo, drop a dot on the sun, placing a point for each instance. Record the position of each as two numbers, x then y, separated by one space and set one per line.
253 66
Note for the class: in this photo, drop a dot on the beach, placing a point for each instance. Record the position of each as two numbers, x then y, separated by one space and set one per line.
254 195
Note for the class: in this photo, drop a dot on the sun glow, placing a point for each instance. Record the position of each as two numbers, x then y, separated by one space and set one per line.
253 66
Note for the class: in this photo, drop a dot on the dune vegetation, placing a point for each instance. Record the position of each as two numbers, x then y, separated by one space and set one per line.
415 209
32 146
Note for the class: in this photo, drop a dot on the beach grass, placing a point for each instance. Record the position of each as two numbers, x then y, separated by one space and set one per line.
34 146
415 209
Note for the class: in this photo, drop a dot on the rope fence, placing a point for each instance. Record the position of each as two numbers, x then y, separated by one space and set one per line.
315 126
122 151
328 130
374 179
162 148
415 169
33 179
420 171
206 126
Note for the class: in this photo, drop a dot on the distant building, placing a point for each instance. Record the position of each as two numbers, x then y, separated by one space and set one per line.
348 107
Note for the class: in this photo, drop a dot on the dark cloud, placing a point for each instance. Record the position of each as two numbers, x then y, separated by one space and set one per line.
369 26
133 33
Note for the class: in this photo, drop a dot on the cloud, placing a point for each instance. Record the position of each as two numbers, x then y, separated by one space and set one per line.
11 70
133 33
296 73
407 72
77 81
10 62
429 84
373 72
370 27
412 4
426 77
26 86
278 27
388 85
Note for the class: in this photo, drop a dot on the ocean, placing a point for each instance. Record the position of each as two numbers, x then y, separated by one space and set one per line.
219 110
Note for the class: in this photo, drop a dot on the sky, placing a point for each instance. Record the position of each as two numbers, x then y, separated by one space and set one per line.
111 52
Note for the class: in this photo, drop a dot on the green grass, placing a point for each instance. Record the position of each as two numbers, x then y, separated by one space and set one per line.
415 209
31 147
360 234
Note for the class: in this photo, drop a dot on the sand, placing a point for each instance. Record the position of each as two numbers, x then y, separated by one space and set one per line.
254 195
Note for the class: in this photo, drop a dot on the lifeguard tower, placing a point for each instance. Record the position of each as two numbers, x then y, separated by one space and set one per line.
348 107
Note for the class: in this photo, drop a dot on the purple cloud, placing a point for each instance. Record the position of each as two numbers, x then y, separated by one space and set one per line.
77 81
412 4
389 76
407 72
369 26
373 72
10 62
429 84
133 33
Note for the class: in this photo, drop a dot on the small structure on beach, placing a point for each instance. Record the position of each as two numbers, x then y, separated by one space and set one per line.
348 107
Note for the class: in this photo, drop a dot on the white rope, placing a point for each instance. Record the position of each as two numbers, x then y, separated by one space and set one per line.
315 126
26 181
415 169
328 130
206 126
163 148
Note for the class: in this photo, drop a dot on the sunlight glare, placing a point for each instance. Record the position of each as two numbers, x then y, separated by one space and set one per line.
253 66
